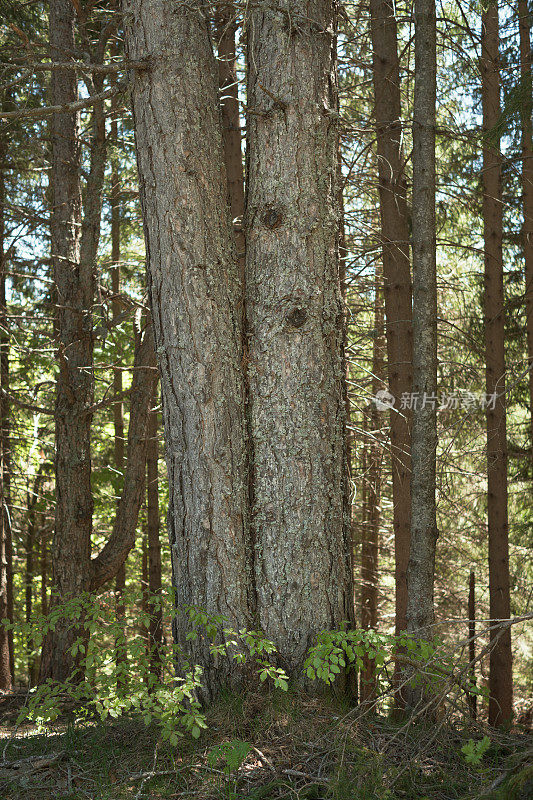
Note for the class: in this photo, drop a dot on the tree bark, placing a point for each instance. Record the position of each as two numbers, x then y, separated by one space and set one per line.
500 674
370 543
421 569
472 698
6 565
524 23
295 326
195 296
394 216
226 29
74 383
154 544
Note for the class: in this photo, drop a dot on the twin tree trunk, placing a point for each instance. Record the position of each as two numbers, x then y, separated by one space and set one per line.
294 316
500 675
288 570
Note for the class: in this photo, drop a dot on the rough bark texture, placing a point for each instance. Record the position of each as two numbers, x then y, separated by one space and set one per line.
421 570
524 21
226 29
397 277
154 543
370 532
195 291
500 675
74 386
295 326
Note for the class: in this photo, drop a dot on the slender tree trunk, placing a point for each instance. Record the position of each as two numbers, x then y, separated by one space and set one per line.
196 296
6 590
44 569
472 698
118 407
226 29
154 544
370 545
500 674
524 21
74 384
295 326
421 570
397 277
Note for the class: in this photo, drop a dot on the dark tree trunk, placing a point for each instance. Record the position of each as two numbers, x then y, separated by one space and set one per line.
472 698
295 326
397 277
524 21
154 543
500 674
421 570
74 385
196 295
370 543
6 560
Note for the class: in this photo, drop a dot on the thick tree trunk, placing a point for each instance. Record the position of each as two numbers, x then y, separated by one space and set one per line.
154 543
397 278
500 675
195 295
370 543
295 326
524 21
421 570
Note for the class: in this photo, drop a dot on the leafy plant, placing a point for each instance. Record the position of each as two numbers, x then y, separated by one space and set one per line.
474 751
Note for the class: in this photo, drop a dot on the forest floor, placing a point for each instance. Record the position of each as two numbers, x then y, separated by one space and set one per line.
262 746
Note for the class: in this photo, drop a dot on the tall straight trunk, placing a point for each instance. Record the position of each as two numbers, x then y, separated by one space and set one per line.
394 216
44 568
421 570
500 673
524 22
226 29
118 406
472 698
154 543
6 612
370 544
74 383
295 326
196 294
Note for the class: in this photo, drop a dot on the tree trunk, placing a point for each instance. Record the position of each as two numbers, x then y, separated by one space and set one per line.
524 22
472 698
196 296
421 570
154 544
295 326
500 675
118 407
370 544
74 384
397 278
6 566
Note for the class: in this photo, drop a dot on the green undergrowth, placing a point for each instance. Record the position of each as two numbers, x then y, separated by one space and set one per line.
264 743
